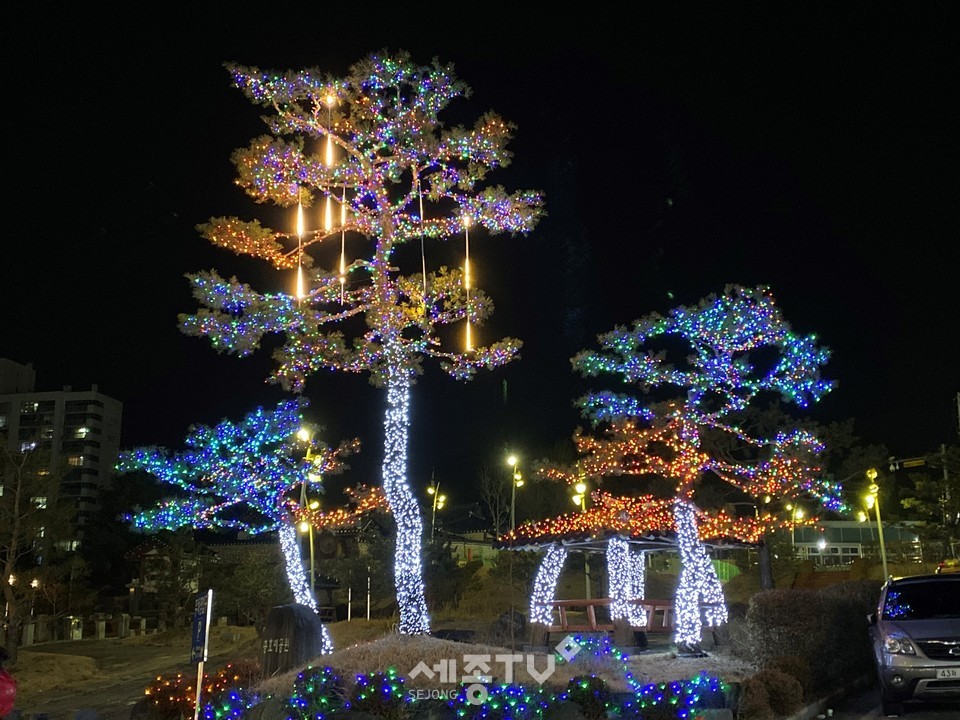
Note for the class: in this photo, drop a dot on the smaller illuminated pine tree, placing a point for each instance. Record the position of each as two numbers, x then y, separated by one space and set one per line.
241 476
697 371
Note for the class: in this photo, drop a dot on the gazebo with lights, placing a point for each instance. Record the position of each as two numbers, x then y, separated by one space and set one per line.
624 529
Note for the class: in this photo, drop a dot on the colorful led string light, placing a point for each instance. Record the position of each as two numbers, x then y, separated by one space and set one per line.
393 151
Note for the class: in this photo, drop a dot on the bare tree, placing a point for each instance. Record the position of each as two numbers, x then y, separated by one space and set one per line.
494 485
29 522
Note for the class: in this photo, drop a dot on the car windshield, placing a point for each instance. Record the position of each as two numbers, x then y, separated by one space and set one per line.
922 601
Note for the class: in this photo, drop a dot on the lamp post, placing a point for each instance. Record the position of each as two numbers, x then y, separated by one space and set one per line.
873 501
515 482
34 584
580 500
438 501
306 527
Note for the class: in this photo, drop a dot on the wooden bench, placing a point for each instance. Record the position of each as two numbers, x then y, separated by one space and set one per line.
660 609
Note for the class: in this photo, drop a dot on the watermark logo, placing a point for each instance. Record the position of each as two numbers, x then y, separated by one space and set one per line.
477 671
568 648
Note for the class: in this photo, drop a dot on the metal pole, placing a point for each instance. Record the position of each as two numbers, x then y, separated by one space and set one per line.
313 590
586 555
368 592
883 551
349 602
946 482
513 503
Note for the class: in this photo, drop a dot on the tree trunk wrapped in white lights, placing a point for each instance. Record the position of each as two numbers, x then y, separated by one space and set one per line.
545 585
297 576
698 582
407 568
625 573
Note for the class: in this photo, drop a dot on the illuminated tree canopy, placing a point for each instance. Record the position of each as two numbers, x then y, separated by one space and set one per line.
735 347
240 476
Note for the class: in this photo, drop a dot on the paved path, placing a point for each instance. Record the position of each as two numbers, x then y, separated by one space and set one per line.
129 668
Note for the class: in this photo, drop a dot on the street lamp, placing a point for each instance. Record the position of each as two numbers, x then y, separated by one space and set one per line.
438 501
873 501
515 482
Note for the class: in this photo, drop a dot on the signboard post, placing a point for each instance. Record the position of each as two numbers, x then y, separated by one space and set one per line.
200 643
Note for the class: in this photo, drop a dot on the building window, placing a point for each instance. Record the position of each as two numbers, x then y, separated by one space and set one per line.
75 460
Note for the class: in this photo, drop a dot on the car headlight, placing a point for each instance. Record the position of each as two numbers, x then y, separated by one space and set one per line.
898 646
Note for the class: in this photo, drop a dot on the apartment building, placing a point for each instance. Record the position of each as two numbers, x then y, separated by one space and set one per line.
78 430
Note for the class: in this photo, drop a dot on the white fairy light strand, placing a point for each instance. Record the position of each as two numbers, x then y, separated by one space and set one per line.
408 574
545 585
698 579
638 581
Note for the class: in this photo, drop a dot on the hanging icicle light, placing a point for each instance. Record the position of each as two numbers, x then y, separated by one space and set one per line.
300 227
466 278
343 243
328 161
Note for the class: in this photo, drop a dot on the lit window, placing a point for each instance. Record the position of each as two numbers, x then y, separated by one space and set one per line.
81 432
75 460
28 446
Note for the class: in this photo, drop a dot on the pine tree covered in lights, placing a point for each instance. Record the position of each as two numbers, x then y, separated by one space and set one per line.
693 373
370 171
241 476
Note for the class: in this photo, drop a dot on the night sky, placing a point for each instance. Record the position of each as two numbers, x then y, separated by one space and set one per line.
813 149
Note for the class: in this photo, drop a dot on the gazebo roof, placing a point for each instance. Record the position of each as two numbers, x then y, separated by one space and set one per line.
645 521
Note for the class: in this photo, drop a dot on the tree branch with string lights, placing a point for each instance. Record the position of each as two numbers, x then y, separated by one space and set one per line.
697 370
241 476
370 153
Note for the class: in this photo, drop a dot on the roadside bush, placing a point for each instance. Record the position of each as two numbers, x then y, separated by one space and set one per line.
784 692
785 622
794 666
754 701
826 628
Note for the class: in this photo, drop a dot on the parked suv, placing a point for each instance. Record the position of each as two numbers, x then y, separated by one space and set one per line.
916 640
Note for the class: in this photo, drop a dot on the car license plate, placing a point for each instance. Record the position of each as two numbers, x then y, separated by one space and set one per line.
948 673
